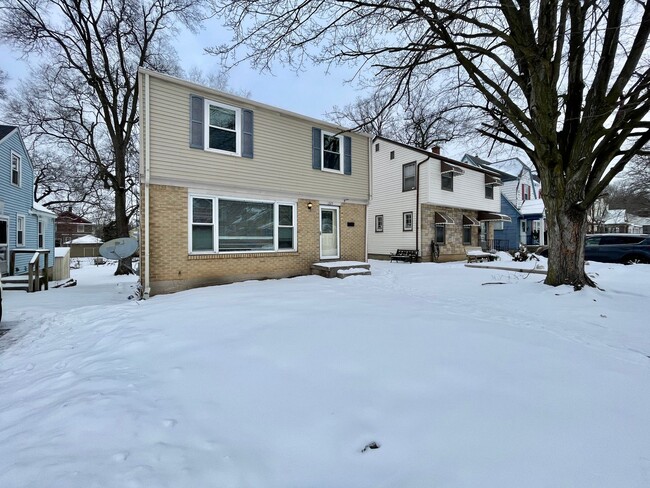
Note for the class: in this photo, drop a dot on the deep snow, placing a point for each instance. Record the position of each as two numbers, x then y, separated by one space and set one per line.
462 382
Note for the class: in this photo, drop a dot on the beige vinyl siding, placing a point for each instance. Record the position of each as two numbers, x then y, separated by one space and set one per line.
469 190
389 200
282 150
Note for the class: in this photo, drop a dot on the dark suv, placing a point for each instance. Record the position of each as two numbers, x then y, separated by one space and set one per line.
618 248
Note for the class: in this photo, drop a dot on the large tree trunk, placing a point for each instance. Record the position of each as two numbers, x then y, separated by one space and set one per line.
567 226
124 266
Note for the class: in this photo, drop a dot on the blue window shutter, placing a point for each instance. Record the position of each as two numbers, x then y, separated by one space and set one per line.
316 153
196 122
247 134
347 155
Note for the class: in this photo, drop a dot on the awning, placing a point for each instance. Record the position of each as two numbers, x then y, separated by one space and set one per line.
493 181
442 219
451 168
470 221
493 217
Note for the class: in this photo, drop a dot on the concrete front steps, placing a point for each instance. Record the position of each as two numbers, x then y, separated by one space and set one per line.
340 269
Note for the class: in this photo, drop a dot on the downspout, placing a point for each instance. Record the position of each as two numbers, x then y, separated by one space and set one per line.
147 177
417 205
370 139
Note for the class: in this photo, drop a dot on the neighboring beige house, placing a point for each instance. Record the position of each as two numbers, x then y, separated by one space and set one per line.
234 189
85 247
420 197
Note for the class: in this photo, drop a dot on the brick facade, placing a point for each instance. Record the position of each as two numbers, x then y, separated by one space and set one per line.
174 269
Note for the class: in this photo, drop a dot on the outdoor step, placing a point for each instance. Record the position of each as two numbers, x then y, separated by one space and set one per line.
330 269
15 287
344 273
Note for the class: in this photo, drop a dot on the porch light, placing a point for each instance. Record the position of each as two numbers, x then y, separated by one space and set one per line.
309 205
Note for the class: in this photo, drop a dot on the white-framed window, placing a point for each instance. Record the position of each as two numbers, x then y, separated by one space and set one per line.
408 177
332 158
41 233
80 228
498 225
15 169
234 225
447 181
489 192
223 128
20 230
379 223
407 221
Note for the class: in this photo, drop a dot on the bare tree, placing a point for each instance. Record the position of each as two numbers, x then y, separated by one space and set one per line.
368 114
3 81
632 191
93 50
566 82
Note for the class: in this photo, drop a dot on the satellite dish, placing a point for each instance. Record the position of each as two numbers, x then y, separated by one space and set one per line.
118 248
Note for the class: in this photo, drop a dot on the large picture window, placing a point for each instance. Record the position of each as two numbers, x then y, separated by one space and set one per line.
332 146
223 128
242 225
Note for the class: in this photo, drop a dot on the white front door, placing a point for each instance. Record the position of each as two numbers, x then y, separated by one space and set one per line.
329 232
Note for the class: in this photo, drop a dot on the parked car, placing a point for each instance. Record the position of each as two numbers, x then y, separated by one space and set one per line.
618 248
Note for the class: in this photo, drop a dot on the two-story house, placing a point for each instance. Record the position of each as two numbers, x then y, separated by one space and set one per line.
421 198
233 189
70 226
520 200
24 225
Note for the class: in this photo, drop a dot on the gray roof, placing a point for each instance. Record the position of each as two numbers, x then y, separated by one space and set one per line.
5 130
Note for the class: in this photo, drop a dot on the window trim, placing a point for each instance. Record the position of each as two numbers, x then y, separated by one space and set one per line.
491 188
41 233
238 128
406 228
378 227
215 224
341 153
443 176
415 176
21 217
19 169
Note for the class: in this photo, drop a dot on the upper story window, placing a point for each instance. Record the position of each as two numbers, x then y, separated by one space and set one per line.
408 177
332 148
525 191
223 128
392 155
447 181
331 152
15 169
377 147
447 172
489 192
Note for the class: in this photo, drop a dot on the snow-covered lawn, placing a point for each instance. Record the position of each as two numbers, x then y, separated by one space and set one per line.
462 382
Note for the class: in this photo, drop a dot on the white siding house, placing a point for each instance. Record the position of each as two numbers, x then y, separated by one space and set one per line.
419 197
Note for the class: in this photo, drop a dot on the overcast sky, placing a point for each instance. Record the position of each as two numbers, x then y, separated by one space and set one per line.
312 93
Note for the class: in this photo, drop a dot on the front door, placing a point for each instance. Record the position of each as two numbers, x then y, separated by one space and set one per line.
523 233
329 232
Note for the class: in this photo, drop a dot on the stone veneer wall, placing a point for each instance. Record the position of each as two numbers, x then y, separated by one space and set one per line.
453 249
174 269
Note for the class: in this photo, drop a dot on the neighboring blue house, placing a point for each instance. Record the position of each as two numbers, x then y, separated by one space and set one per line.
23 223
520 200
